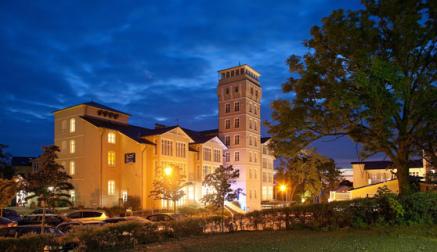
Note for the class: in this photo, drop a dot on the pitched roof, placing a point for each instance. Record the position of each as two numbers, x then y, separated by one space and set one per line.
22 161
96 105
377 165
200 136
132 131
158 131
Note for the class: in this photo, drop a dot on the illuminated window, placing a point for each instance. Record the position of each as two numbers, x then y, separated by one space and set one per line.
206 154
72 125
237 139
124 196
111 187
228 108
237 123
237 156
111 158
227 124
237 106
72 167
111 137
72 146
217 156
73 196
180 150
167 147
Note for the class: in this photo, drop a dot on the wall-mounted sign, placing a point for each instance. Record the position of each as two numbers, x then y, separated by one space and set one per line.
129 158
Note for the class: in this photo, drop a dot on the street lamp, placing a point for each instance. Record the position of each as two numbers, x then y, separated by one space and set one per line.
283 189
168 171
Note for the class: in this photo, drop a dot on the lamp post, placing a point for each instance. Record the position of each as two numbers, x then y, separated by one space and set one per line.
168 171
283 189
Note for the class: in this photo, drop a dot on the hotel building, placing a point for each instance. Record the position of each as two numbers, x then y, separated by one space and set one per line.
111 160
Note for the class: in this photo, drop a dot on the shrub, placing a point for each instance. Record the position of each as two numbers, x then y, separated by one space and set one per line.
27 243
420 208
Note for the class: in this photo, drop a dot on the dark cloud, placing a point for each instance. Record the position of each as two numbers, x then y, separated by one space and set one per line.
147 58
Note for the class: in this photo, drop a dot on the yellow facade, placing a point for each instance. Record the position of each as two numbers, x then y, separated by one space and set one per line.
111 160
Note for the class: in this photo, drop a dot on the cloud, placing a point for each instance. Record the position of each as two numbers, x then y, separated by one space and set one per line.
157 61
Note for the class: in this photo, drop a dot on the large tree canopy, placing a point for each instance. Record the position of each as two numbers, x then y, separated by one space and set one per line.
369 74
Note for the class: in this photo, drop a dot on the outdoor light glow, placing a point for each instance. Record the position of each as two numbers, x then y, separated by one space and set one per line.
282 187
168 171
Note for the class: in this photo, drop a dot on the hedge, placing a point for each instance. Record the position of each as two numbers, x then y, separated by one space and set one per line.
386 209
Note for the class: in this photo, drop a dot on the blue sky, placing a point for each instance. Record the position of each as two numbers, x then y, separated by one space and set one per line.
157 60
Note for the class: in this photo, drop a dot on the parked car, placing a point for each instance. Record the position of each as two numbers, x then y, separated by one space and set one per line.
10 214
50 219
87 215
127 218
5 222
40 211
165 217
22 230
66 227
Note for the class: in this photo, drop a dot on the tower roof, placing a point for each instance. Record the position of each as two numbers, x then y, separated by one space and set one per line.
246 66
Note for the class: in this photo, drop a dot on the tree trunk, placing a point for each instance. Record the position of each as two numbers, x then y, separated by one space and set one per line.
403 171
43 219
223 218
403 178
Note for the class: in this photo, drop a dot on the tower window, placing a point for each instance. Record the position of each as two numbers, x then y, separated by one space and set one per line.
236 89
237 156
227 74
251 90
250 107
237 123
227 140
237 106
232 73
228 108
241 71
237 139
227 124
227 91
256 93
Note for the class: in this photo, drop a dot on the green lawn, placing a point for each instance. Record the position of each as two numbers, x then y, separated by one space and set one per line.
383 239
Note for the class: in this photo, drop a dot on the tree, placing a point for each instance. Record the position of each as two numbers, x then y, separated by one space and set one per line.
8 190
369 74
308 173
50 183
6 170
220 184
169 186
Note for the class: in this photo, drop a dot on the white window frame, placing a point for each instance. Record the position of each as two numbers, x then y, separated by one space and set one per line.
112 137
111 187
72 146
72 125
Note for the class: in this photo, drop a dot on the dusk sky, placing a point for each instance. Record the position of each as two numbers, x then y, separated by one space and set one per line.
157 60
